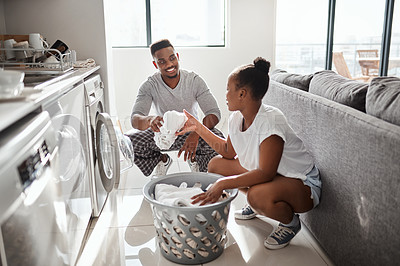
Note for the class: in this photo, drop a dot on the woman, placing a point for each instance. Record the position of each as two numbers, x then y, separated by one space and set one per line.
262 156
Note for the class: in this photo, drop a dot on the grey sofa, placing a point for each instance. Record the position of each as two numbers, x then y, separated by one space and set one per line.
358 219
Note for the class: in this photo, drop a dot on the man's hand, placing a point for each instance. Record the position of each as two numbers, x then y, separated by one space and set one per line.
190 146
143 122
155 123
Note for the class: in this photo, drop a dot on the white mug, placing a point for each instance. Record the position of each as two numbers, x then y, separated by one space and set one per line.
37 42
23 51
8 44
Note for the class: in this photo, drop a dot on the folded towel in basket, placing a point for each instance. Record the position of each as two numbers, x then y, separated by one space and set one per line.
180 196
176 196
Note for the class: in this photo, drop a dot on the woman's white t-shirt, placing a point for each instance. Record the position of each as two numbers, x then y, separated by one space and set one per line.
296 162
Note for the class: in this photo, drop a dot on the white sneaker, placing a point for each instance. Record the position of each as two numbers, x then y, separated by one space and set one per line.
245 213
194 166
281 236
162 168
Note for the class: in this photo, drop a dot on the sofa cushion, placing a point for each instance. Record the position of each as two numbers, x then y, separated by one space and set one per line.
335 87
383 99
298 81
358 158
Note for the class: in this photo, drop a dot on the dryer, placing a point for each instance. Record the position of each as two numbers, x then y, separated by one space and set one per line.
108 146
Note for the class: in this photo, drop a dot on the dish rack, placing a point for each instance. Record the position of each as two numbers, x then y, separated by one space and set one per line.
62 64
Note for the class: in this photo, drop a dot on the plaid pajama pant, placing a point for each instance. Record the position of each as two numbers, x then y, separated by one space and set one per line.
148 154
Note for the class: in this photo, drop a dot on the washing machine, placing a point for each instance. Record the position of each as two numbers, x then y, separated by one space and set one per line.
110 153
68 116
32 210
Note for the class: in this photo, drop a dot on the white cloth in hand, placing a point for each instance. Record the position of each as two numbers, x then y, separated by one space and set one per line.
173 121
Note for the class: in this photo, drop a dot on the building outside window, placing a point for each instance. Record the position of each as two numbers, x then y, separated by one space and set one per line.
301 38
301 29
358 37
394 56
183 22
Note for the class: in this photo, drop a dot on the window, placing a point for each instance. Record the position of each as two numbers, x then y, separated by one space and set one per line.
301 37
394 57
358 37
361 40
137 23
128 23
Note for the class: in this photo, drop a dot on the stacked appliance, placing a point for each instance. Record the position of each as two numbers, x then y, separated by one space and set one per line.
32 210
58 166
68 116
109 148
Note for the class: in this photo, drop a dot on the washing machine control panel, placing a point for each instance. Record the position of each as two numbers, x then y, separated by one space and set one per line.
93 84
32 167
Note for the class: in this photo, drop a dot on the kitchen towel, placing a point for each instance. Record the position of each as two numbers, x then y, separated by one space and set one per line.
173 121
85 63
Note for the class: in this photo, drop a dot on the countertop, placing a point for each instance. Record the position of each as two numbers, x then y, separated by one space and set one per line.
30 100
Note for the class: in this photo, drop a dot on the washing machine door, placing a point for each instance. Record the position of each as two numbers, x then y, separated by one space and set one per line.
72 145
107 151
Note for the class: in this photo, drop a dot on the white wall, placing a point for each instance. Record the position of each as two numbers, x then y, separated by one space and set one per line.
250 33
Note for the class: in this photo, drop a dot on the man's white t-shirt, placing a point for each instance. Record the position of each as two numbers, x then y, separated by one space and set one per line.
296 162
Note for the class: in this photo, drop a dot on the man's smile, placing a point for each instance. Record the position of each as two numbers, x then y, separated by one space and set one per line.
172 69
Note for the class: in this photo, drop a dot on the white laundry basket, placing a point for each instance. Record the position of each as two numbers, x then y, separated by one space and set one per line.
190 235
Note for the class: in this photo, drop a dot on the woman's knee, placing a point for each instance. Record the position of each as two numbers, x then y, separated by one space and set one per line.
225 167
214 165
259 199
253 198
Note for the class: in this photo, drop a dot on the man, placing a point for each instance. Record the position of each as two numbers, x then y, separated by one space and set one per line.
171 89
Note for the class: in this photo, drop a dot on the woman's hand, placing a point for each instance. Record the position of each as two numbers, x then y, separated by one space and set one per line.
212 195
192 124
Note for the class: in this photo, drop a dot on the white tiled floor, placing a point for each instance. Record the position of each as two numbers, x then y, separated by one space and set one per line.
124 233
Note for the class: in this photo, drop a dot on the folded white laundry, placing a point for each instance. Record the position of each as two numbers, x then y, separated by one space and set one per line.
176 196
173 121
180 196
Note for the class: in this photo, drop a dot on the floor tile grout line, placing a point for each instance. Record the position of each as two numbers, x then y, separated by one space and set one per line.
128 226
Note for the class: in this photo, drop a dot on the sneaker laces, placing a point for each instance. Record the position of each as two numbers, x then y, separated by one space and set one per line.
247 210
282 232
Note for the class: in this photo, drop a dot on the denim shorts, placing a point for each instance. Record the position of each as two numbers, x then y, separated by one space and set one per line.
313 180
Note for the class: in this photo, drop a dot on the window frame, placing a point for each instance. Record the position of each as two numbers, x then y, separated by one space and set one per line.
149 31
386 36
